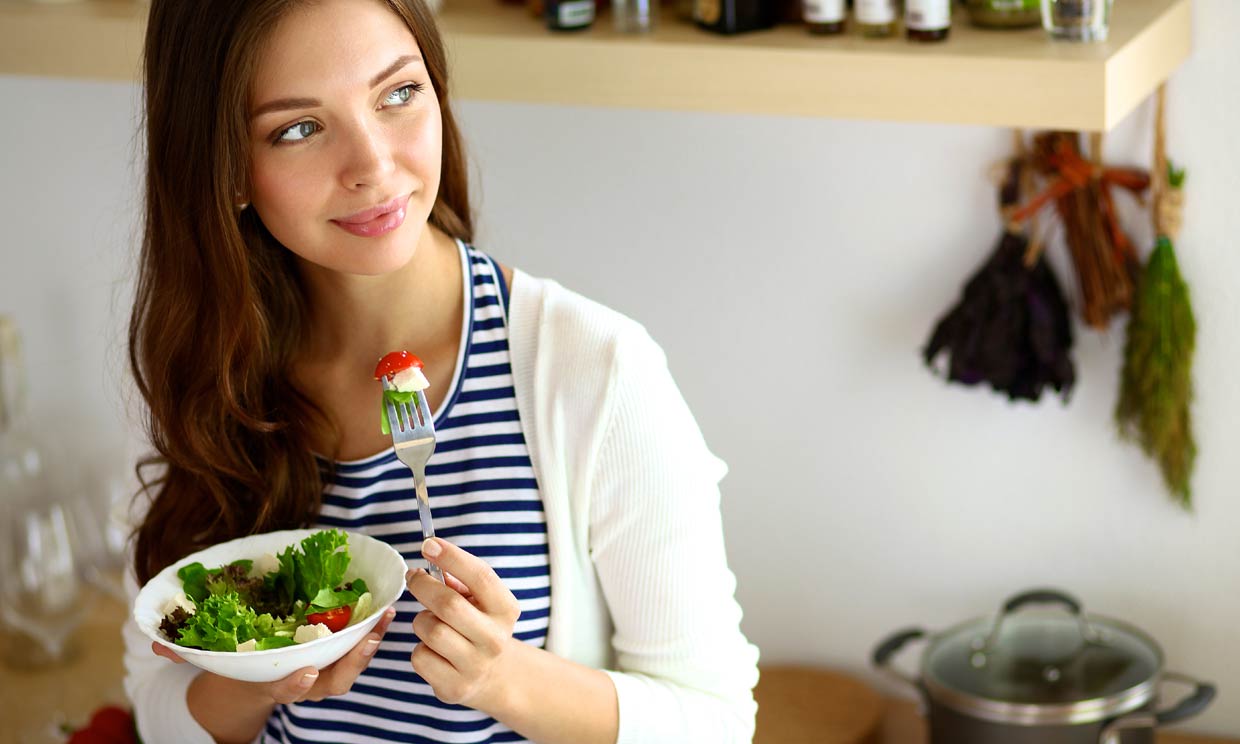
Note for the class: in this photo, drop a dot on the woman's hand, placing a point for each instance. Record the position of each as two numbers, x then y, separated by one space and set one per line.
310 683
466 628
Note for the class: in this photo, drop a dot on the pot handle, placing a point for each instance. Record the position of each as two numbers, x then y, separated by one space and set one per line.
1189 706
889 647
1200 699
1040 596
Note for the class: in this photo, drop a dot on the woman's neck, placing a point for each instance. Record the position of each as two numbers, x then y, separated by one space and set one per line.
357 319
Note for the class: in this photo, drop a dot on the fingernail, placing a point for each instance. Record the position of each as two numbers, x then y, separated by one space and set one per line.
308 679
370 647
431 548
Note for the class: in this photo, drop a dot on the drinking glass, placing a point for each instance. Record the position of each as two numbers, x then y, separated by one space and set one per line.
41 597
1077 20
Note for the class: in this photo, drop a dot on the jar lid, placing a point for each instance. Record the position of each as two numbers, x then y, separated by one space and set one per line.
1036 668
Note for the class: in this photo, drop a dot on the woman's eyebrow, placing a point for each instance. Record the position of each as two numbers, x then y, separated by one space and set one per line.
399 63
287 104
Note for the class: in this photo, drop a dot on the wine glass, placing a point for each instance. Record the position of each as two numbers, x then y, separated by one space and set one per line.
103 537
41 599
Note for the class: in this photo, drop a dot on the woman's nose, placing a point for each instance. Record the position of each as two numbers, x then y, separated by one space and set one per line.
368 156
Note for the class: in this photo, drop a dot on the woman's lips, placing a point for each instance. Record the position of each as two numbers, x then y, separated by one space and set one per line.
390 216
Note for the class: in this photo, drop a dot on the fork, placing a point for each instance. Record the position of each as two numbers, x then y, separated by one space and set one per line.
413 438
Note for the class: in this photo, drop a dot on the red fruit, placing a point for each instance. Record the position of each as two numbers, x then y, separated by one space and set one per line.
108 725
396 361
335 620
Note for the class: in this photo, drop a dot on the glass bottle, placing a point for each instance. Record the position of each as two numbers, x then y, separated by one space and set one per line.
876 18
40 598
927 20
1005 13
824 16
21 462
734 16
569 15
634 16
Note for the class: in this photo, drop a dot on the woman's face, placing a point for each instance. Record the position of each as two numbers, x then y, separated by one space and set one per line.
345 137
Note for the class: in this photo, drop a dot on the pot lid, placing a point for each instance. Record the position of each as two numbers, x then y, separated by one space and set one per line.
1040 667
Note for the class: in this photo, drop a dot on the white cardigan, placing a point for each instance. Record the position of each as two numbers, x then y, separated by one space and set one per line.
639 580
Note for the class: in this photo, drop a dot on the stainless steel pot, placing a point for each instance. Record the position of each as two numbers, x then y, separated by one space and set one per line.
1042 678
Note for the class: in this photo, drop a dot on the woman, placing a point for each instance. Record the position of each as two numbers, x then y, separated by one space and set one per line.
307 212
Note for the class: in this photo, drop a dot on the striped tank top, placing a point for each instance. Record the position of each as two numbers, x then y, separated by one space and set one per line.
484 498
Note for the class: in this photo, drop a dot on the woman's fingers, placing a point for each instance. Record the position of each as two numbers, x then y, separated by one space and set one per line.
295 687
487 590
313 684
162 650
443 638
338 678
445 681
456 584
464 615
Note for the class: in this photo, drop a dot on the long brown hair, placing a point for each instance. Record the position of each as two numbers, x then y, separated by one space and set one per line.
219 314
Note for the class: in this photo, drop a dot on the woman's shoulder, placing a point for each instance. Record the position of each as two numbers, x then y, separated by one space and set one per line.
547 317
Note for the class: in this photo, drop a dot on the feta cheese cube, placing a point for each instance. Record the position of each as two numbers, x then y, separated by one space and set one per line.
311 633
409 380
265 564
182 601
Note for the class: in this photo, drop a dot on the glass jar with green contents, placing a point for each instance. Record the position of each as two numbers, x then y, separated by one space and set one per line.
1005 13
876 19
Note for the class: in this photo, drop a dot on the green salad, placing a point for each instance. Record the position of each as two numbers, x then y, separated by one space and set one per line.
235 608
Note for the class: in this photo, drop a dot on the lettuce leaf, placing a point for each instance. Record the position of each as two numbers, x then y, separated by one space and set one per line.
221 622
234 608
328 599
396 397
194 580
322 563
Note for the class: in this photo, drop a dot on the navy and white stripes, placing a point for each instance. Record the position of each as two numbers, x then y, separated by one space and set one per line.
484 498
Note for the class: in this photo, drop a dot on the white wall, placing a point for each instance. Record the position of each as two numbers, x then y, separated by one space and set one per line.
792 268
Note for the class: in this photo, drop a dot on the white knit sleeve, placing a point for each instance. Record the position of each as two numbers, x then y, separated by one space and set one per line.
157 687
685 671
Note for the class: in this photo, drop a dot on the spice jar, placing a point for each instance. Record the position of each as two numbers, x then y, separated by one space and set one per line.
876 18
824 16
1005 13
927 20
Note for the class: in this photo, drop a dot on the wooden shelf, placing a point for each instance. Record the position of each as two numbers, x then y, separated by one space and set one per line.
986 77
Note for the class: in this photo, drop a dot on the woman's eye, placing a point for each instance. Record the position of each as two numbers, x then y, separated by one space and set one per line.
403 94
298 132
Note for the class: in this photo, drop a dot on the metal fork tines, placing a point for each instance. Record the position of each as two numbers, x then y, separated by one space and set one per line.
413 438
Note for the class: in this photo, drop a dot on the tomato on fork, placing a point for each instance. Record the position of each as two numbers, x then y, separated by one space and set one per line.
395 362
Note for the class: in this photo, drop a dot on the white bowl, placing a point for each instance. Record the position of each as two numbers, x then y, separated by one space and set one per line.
376 562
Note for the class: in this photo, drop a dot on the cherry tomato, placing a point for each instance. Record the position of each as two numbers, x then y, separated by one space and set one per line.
396 361
335 620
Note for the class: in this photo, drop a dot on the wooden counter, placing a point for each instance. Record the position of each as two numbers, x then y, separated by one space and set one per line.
36 700
852 712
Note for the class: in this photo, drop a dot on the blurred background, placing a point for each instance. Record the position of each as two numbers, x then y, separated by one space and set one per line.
792 268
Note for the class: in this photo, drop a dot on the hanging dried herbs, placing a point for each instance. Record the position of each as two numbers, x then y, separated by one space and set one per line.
1011 327
1156 380
1104 259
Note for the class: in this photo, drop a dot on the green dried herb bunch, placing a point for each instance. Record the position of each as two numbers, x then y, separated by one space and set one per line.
1156 380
